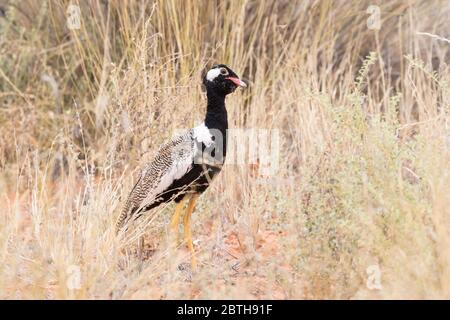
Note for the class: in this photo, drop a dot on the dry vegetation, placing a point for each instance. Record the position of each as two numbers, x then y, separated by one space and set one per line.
364 172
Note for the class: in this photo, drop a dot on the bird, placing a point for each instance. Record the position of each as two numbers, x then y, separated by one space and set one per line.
185 166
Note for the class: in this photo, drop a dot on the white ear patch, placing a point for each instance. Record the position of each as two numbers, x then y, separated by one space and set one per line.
212 74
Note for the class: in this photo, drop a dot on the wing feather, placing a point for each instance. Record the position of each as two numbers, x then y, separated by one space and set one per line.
174 159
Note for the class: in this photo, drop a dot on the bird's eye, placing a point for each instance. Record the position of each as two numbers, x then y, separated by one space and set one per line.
223 71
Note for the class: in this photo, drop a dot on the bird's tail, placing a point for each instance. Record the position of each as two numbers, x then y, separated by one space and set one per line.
124 216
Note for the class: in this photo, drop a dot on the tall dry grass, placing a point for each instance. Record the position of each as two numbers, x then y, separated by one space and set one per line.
363 177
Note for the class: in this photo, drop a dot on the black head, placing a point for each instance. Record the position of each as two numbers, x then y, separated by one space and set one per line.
222 80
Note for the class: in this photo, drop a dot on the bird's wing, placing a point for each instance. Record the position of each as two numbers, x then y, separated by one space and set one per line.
174 159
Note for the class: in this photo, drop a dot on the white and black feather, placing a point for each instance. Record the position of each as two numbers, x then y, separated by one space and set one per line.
172 161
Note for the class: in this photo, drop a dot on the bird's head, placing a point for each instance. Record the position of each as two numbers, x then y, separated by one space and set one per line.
222 80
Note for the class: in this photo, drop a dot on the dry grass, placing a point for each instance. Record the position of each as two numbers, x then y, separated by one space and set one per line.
364 172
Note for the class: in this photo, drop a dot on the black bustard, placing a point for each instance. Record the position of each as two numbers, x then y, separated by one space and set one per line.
185 166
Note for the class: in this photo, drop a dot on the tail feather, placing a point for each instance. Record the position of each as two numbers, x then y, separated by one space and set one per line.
124 216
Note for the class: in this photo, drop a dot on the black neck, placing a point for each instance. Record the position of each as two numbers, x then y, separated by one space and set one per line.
216 113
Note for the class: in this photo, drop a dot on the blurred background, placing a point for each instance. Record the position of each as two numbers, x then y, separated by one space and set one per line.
359 91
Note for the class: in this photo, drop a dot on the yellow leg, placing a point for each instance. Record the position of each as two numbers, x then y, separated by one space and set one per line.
141 245
187 228
176 216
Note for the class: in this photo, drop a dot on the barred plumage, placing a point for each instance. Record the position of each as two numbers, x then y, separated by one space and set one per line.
173 159
176 172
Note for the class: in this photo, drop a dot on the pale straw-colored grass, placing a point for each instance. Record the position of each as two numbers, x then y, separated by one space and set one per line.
364 167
